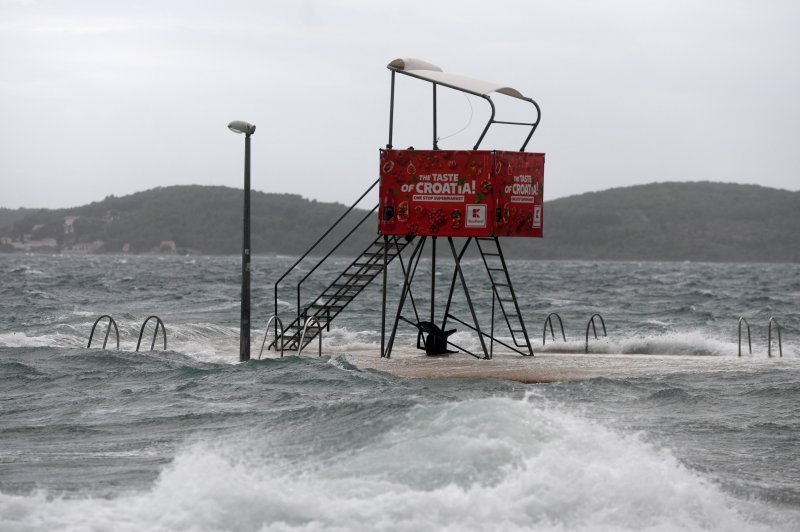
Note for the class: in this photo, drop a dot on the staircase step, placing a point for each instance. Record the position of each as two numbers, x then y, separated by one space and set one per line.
347 286
390 255
343 297
356 285
326 306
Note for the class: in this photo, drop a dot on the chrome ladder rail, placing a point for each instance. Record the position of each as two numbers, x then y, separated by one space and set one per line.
552 333
159 323
278 323
591 322
309 321
108 330
769 337
749 343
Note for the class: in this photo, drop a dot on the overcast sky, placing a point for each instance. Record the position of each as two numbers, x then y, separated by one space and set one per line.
102 97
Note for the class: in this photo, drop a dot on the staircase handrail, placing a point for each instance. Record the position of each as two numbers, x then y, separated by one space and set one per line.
315 244
323 259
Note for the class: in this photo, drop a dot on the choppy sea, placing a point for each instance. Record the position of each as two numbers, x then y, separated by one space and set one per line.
190 439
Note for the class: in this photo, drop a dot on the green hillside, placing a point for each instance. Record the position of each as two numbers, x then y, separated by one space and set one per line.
661 221
199 219
674 221
9 216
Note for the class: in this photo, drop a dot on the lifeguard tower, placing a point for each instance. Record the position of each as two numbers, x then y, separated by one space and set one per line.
474 195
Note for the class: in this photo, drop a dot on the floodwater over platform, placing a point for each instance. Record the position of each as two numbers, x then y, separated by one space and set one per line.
555 367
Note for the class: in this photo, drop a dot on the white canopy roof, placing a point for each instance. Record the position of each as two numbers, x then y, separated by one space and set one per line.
433 73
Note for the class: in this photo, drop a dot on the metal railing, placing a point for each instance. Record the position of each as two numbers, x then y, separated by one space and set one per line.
591 323
315 244
278 323
400 70
309 321
769 337
749 343
331 252
159 323
108 330
549 320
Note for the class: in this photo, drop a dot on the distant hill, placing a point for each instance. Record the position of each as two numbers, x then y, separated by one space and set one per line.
9 216
661 221
198 219
698 221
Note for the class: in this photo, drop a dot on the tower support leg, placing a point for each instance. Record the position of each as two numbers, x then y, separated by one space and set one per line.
457 259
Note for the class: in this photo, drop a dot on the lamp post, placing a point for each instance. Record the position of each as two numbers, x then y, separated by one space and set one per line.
239 126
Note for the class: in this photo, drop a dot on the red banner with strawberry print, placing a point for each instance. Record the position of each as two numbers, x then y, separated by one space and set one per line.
518 182
460 193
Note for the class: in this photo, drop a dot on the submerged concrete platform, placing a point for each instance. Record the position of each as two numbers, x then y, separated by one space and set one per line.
551 366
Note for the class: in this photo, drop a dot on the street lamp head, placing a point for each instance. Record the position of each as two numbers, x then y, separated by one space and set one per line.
240 126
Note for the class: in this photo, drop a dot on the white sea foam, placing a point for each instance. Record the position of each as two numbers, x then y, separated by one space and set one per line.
49 339
689 343
490 464
213 343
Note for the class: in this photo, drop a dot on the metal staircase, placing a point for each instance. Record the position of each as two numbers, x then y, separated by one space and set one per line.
351 282
503 290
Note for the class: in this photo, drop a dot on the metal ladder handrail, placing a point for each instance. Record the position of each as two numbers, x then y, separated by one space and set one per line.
108 330
552 333
496 294
769 337
155 333
591 322
278 323
315 244
346 286
309 321
749 343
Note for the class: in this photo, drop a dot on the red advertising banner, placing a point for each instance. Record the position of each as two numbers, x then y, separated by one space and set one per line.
519 182
460 193
436 193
